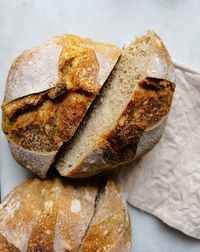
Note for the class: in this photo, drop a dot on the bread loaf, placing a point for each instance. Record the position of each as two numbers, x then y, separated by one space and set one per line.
49 89
60 215
127 118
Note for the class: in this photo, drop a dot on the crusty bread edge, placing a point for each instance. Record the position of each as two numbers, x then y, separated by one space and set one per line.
12 91
38 163
161 64
107 56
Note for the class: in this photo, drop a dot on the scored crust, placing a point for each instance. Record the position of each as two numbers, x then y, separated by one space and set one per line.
149 104
130 138
62 215
49 89
150 138
42 215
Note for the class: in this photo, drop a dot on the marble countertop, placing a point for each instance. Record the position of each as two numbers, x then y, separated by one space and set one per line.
25 23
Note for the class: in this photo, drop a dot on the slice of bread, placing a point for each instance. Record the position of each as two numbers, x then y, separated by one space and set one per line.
49 89
134 101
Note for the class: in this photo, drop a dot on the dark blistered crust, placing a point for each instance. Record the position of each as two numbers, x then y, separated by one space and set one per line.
15 108
150 103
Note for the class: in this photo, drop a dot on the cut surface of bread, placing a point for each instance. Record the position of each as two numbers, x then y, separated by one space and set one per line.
39 122
135 98
61 215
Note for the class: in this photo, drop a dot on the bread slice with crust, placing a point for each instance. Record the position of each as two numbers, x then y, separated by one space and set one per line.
60 215
134 101
49 89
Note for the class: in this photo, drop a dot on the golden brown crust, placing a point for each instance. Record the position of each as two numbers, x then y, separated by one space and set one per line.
44 129
47 126
70 114
124 242
60 215
5 246
127 236
150 103
37 162
17 106
37 69
36 130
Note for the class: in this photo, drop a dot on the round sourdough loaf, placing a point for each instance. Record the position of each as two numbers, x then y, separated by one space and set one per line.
49 89
60 215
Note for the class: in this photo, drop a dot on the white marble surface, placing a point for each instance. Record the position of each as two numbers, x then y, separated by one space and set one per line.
24 24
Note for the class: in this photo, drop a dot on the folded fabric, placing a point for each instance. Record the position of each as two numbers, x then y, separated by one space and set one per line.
166 182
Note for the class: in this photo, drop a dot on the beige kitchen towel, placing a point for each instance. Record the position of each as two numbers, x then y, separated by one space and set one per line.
166 182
